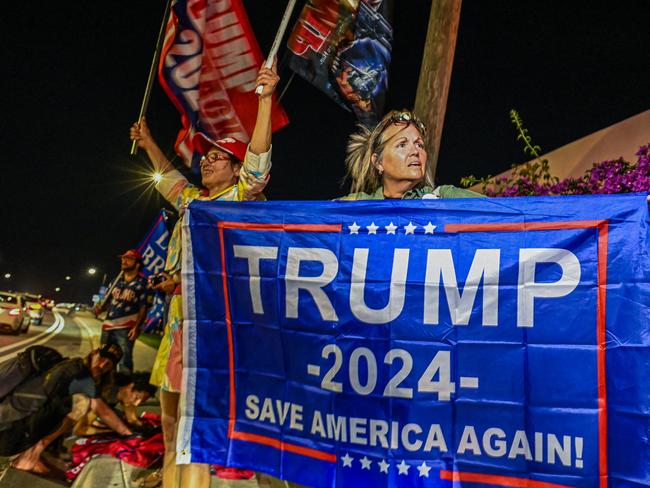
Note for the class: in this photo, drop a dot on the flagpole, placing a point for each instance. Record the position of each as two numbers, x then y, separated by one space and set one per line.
278 39
109 290
152 71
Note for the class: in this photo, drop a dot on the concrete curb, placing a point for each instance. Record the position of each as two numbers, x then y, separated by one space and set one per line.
11 478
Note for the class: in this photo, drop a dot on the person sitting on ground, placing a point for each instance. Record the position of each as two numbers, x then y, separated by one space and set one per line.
44 407
390 161
230 171
130 391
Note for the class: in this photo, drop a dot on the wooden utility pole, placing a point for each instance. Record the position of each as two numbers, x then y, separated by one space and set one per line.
435 73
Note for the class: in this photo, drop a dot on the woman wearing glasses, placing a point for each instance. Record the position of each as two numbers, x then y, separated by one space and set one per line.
390 161
230 171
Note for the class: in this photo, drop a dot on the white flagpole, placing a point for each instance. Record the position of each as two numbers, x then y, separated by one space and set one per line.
278 39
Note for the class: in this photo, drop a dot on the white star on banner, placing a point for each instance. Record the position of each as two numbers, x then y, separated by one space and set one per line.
365 462
403 468
372 228
410 229
429 228
424 469
383 466
390 228
354 228
347 460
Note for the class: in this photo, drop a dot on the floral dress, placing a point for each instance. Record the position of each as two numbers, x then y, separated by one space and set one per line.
174 187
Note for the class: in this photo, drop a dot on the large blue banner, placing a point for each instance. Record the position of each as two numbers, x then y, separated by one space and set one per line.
478 342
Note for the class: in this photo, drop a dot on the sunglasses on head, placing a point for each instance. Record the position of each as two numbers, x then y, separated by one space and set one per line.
406 117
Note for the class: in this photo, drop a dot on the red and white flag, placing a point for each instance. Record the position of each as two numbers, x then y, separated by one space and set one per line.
208 67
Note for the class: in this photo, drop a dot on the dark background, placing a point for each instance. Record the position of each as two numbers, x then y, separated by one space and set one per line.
74 74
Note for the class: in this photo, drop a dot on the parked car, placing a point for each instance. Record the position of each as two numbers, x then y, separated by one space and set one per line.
13 313
34 307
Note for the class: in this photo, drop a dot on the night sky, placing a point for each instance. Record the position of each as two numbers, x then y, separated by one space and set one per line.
74 74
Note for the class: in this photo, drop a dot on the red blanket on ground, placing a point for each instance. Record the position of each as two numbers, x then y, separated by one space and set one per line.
139 450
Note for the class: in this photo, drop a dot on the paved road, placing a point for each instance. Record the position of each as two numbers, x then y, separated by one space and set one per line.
72 334
58 330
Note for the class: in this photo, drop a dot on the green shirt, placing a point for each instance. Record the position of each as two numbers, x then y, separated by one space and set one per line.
444 191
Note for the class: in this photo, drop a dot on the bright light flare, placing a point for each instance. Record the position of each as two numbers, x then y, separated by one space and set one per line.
157 177
92 271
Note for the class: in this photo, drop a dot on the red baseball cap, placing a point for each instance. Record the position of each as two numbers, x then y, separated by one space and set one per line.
202 143
131 253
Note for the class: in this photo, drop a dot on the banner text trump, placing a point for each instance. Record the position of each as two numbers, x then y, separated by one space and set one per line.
440 270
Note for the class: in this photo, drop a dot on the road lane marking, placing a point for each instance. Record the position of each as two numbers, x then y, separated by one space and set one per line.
89 334
53 330
49 330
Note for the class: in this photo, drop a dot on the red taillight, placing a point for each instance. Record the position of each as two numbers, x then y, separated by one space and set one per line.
14 311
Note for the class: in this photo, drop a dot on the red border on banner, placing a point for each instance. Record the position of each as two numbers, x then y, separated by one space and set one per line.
602 227
493 479
232 433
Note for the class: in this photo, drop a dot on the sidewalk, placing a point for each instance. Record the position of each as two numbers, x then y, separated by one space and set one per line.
102 471
108 471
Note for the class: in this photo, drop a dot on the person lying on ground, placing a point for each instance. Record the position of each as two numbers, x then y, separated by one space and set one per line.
130 391
42 408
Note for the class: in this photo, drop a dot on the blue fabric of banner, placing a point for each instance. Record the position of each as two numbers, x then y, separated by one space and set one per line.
409 343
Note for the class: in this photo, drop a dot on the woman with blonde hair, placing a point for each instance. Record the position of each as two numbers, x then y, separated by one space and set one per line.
390 161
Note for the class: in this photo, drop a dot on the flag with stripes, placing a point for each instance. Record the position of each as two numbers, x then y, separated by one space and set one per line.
208 67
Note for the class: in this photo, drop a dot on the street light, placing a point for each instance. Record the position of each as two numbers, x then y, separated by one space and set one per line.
68 278
7 275
92 271
57 289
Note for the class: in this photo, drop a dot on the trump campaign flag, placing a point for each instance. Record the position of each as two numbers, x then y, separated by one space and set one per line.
344 49
153 249
208 67
459 342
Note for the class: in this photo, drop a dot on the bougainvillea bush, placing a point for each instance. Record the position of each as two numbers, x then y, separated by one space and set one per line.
533 178
617 176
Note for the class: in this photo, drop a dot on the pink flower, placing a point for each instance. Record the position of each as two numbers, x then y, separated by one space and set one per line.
614 176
